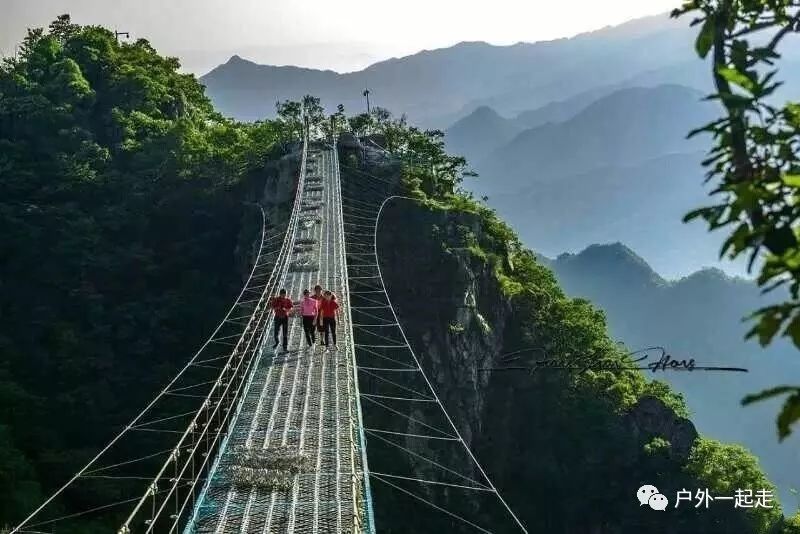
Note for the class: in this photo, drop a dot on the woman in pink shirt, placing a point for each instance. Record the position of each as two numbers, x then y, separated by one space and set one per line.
309 308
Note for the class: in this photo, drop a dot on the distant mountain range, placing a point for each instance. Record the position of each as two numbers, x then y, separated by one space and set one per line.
700 317
616 169
485 130
624 128
481 132
437 87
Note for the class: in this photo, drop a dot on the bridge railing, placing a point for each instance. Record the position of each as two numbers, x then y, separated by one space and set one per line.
364 520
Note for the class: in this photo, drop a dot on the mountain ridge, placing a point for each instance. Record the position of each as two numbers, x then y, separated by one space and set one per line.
479 132
661 116
458 77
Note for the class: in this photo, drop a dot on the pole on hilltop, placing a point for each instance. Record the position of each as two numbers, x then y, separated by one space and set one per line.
366 94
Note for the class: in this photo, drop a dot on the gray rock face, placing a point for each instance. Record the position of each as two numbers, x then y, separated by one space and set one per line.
451 307
273 189
280 182
650 417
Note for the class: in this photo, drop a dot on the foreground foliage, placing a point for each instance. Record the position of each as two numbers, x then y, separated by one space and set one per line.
754 162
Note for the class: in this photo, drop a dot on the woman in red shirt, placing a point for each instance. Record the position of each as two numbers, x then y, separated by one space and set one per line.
328 307
282 307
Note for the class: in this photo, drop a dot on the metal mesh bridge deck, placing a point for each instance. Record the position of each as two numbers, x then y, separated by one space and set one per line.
300 408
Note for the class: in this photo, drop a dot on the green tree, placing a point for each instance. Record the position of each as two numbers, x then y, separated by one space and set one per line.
754 162
711 463
381 115
290 114
121 210
336 123
361 124
427 166
315 114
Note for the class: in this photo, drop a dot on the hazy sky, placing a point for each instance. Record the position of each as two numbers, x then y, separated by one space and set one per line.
341 35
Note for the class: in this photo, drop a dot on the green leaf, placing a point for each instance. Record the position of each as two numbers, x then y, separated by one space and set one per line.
766 328
694 214
779 240
792 180
737 78
738 102
768 394
793 330
790 413
737 240
705 39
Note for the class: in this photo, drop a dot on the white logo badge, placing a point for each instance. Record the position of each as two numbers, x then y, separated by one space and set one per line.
644 494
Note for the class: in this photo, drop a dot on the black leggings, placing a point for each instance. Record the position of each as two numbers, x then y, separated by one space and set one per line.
310 329
281 323
329 324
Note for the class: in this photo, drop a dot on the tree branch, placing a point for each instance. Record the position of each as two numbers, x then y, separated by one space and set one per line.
752 29
784 31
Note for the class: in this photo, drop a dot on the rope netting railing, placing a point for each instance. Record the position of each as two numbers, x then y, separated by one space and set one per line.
362 493
148 476
417 452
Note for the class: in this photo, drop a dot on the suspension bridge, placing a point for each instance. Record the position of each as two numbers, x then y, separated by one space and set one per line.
248 438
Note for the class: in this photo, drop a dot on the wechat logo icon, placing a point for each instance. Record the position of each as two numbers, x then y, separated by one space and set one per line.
649 495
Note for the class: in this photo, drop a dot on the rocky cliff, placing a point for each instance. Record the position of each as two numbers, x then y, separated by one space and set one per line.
273 188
